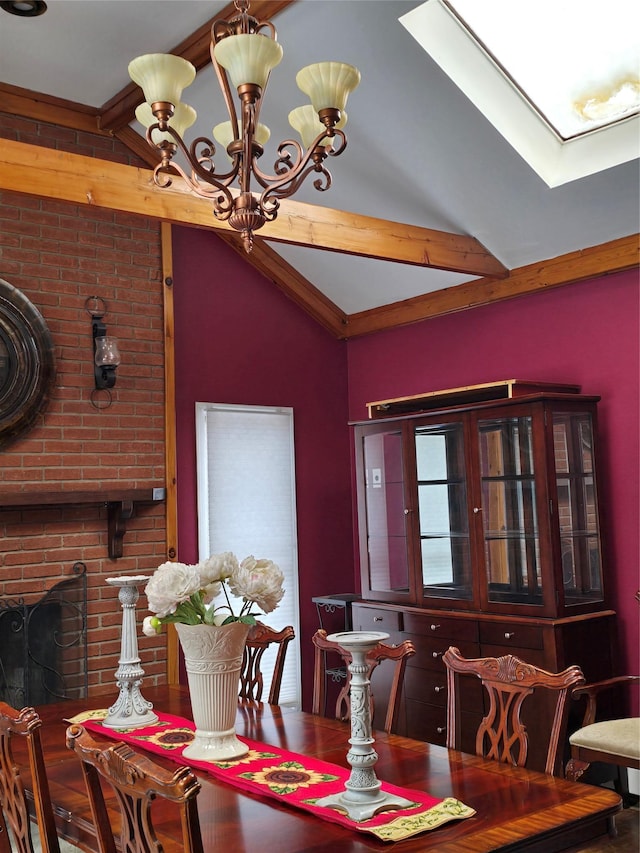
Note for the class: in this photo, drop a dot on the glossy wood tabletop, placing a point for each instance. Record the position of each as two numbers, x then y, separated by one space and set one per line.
517 810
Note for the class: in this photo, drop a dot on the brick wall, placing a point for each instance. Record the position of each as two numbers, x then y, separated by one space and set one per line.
59 255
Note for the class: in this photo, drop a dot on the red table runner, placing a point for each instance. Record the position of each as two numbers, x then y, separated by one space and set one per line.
292 779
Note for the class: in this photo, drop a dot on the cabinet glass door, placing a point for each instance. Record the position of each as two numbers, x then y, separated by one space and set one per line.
509 516
577 507
442 511
385 516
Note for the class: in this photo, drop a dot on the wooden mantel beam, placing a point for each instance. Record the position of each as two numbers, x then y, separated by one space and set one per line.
85 180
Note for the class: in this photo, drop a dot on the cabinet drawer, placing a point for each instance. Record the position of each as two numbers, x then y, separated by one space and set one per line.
511 635
429 723
377 619
429 651
438 626
431 687
426 686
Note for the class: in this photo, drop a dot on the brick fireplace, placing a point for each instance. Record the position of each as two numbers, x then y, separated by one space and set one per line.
85 484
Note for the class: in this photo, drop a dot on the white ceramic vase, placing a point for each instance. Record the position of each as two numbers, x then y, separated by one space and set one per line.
213 660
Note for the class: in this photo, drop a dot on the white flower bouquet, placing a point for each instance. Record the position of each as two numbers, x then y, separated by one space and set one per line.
177 592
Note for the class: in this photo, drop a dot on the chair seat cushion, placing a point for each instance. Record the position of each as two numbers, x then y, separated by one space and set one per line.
617 737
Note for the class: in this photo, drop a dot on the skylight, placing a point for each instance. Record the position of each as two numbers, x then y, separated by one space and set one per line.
560 79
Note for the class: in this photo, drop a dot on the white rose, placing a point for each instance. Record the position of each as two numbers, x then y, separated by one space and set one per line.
170 584
149 626
259 581
217 567
211 591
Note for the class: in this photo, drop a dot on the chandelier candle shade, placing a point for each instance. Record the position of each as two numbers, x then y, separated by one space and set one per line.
243 52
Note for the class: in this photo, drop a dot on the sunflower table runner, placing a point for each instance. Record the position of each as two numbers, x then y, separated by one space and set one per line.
292 779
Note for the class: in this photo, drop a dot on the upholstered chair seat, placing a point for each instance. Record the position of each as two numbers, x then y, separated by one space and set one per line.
615 737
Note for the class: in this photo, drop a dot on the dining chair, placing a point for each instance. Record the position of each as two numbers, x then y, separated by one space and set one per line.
258 641
14 809
397 654
614 741
136 781
508 681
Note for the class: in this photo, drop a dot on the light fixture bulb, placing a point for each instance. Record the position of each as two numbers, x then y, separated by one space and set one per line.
162 76
182 119
328 84
107 352
224 135
248 57
305 120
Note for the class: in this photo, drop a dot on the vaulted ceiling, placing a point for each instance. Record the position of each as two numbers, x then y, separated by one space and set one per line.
431 210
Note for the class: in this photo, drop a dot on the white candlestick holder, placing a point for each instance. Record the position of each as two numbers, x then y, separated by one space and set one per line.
362 797
130 710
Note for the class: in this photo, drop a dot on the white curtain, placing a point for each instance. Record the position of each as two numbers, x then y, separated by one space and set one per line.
246 504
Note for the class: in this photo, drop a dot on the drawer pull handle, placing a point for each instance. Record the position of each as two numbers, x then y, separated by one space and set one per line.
378 618
434 627
441 730
509 634
438 688
477 509
436 654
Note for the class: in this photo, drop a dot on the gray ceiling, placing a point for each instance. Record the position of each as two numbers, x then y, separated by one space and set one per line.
419 152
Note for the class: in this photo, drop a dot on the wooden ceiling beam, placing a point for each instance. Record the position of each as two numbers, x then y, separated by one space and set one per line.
605 259
120 110
85 180
40 107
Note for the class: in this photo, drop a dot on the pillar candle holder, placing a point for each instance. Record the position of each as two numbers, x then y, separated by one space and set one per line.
362 797
130 710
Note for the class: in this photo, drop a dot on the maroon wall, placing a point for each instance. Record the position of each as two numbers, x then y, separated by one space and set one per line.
586 334
238 339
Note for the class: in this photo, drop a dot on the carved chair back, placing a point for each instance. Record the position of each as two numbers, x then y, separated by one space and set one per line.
397 654
136 780
13 801
258 641
508 681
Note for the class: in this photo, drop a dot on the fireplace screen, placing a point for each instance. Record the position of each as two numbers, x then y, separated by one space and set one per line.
43 644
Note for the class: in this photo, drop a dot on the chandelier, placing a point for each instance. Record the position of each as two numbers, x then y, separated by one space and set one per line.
243 52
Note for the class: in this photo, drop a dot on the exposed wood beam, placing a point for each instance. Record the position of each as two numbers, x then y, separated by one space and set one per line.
355 234
84 180
39 107
119 110
138 145
615 256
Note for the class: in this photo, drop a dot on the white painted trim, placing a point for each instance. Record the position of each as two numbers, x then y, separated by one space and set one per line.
557 162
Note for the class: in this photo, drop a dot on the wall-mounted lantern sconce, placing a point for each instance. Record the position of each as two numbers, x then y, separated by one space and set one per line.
106 355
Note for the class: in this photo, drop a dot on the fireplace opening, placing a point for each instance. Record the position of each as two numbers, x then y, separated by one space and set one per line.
43 644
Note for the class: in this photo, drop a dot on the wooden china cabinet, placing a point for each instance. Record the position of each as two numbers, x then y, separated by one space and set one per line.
479 528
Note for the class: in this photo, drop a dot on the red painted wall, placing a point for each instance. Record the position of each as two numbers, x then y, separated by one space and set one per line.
238 339
586 334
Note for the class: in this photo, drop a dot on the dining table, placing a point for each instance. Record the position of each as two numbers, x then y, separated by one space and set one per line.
515 809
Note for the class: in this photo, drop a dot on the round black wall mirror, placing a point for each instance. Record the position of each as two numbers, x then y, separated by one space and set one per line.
27 363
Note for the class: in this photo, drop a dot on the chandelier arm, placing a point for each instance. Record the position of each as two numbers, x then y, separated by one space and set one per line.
223 82
285 167
219 193
194 159
198 160
322 183
290 175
